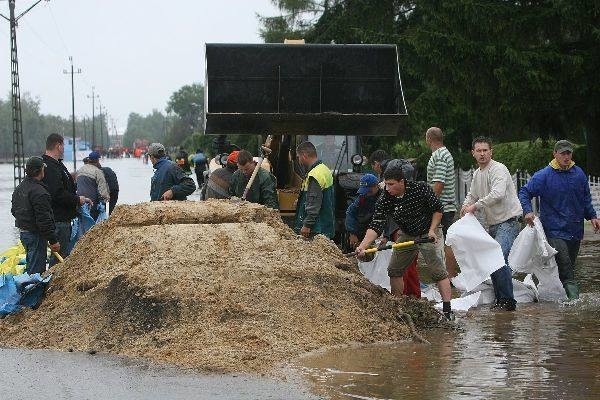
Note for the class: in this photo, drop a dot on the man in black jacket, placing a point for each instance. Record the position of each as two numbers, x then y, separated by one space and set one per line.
62 189
31 207
113 185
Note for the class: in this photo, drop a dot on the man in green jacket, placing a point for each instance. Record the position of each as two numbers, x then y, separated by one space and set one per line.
264 188
315 209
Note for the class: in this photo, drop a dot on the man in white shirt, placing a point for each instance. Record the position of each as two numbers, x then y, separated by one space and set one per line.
494 194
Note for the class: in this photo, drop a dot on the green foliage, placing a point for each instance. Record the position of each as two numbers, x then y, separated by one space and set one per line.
152 127
523 156
514 70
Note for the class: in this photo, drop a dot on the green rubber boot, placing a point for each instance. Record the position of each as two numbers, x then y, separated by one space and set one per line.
572 290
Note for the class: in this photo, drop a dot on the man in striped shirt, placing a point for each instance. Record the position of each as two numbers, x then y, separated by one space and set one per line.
417 211
440 175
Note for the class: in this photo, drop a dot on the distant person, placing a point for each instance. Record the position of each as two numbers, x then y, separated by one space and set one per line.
264 188
182 160
62 189
494 194
565 201
218 181
91 183
315 213
199 160
168 182
379 159
32 209
440 175
113 185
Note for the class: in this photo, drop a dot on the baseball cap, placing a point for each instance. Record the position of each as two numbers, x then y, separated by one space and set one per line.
563 145
94 155
367 181
233 157
155 149
34 165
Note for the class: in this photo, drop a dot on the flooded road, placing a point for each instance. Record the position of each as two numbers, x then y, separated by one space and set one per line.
134 184
542 351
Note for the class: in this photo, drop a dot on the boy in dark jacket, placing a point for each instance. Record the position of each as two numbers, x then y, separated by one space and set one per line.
360 212
32 209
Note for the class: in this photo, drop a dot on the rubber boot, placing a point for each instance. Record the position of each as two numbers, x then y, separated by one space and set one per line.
572 290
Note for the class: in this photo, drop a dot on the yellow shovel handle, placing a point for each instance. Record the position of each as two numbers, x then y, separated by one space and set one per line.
58 257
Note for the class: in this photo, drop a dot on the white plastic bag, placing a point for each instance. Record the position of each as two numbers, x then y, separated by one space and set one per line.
376 269
523 249
476 252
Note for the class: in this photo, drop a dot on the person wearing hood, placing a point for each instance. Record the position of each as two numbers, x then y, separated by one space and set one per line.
169 182
565 201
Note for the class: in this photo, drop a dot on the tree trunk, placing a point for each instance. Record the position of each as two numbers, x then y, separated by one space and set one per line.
593 146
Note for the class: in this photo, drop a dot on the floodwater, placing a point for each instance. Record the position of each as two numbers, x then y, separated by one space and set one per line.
541 351
134 184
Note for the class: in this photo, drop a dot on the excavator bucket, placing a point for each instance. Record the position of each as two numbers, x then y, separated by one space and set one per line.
310 89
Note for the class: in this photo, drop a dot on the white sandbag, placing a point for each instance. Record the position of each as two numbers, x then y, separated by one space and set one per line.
476 252
541 262
524 292
462 303
376 269
522 249
430 292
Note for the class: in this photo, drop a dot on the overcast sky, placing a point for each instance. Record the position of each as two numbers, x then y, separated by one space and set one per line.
135 53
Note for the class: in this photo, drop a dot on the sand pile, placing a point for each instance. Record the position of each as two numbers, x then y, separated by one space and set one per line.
209 285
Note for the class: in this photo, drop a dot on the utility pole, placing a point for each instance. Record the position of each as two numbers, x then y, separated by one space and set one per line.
93 97
84 131
73 108
17 121
101 133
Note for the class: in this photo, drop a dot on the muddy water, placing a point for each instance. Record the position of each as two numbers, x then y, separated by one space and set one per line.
542 351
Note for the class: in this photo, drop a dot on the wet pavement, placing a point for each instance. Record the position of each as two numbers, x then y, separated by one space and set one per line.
542 351
41 374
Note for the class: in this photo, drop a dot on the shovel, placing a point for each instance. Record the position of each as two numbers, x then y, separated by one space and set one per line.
265 151
394 246
57 256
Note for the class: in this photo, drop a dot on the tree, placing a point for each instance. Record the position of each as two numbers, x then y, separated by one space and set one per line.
188 104
512 70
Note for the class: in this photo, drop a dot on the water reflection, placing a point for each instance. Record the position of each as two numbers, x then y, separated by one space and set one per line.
543 351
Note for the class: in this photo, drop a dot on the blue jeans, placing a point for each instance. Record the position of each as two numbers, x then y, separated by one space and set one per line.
505 234
35 246
63 234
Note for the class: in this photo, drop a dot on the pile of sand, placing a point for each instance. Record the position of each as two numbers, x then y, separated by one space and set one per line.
209 285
